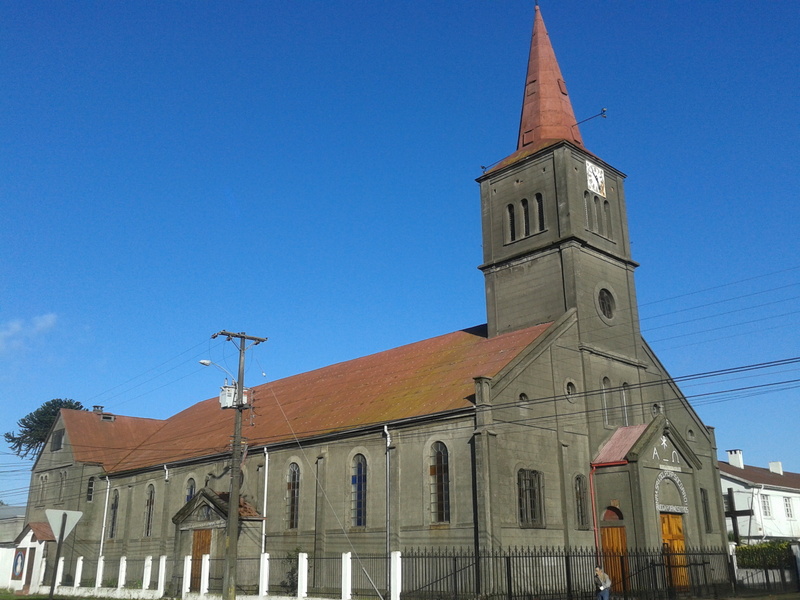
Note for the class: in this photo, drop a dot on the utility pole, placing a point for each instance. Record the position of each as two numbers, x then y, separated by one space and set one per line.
232 534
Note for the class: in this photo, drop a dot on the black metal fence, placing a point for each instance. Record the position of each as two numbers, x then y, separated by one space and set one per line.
557 573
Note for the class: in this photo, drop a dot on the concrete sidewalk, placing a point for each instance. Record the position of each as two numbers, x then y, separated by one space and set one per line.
747 595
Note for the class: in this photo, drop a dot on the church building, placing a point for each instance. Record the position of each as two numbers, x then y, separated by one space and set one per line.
554 424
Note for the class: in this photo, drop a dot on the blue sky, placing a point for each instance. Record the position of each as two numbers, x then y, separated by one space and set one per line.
304 171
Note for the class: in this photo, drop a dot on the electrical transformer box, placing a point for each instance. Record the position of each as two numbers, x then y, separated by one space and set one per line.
227 396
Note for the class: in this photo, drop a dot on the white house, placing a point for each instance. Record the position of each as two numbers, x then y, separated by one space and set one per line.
772 494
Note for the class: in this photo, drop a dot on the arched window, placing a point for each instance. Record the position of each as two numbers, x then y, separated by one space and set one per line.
149 510
440 484
191 489
90 489
607 218
581 502
539 213
293 496
530 494
589 209
358 482
625 400
605 398
112 526
512 223
526 218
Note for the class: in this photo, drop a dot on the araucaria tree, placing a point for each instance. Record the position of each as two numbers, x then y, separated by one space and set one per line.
34 427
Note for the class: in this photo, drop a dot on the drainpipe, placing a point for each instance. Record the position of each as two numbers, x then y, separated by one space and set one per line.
166 473
105 514
264 503
594 500
388 514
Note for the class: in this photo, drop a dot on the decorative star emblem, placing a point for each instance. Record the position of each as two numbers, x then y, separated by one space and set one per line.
664 441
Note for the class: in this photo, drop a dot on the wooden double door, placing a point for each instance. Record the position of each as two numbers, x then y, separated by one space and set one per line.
674 546
201 544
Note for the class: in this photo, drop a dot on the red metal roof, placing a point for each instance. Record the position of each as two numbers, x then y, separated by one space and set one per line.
619 444
425 378
42 532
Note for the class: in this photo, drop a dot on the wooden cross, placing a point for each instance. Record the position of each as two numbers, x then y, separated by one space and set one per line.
733 514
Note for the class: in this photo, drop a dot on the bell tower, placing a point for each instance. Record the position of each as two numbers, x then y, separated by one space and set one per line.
555 232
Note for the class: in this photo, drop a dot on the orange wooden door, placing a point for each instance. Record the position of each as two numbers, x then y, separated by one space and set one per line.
615 554
674 545
201 544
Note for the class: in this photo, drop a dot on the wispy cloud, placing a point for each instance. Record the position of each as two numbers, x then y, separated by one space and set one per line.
15 334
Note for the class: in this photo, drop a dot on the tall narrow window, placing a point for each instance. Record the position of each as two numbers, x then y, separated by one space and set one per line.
598 216
526 218
149 509
512 223
588 209
625 398
42 488
581 503
293 496
90 489
358 482
706 509
112 525
539 213
57 441
440 484
530 496
191 489
605 393
62 484
607 218
787 506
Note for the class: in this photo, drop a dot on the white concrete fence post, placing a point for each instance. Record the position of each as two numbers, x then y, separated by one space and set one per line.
162 575
205 573
98 580
147 572
347 576
78 572
123 572
263 575
302 575
59 570
187 576
396 579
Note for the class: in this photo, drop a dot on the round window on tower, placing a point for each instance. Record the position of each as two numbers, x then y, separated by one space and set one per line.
605 301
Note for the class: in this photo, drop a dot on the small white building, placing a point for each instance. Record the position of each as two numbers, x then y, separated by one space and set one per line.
772 494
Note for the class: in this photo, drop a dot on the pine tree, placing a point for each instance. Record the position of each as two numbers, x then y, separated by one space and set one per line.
34 427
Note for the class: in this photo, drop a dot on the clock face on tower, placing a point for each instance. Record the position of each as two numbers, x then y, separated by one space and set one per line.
595 179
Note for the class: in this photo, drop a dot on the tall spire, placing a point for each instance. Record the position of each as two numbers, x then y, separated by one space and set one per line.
547 115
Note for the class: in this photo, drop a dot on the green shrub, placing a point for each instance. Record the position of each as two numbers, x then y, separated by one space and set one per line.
769 555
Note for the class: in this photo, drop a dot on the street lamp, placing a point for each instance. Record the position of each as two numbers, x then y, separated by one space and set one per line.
237 403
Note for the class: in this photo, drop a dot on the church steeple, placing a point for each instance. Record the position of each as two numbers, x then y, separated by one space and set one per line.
555 232
547 115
